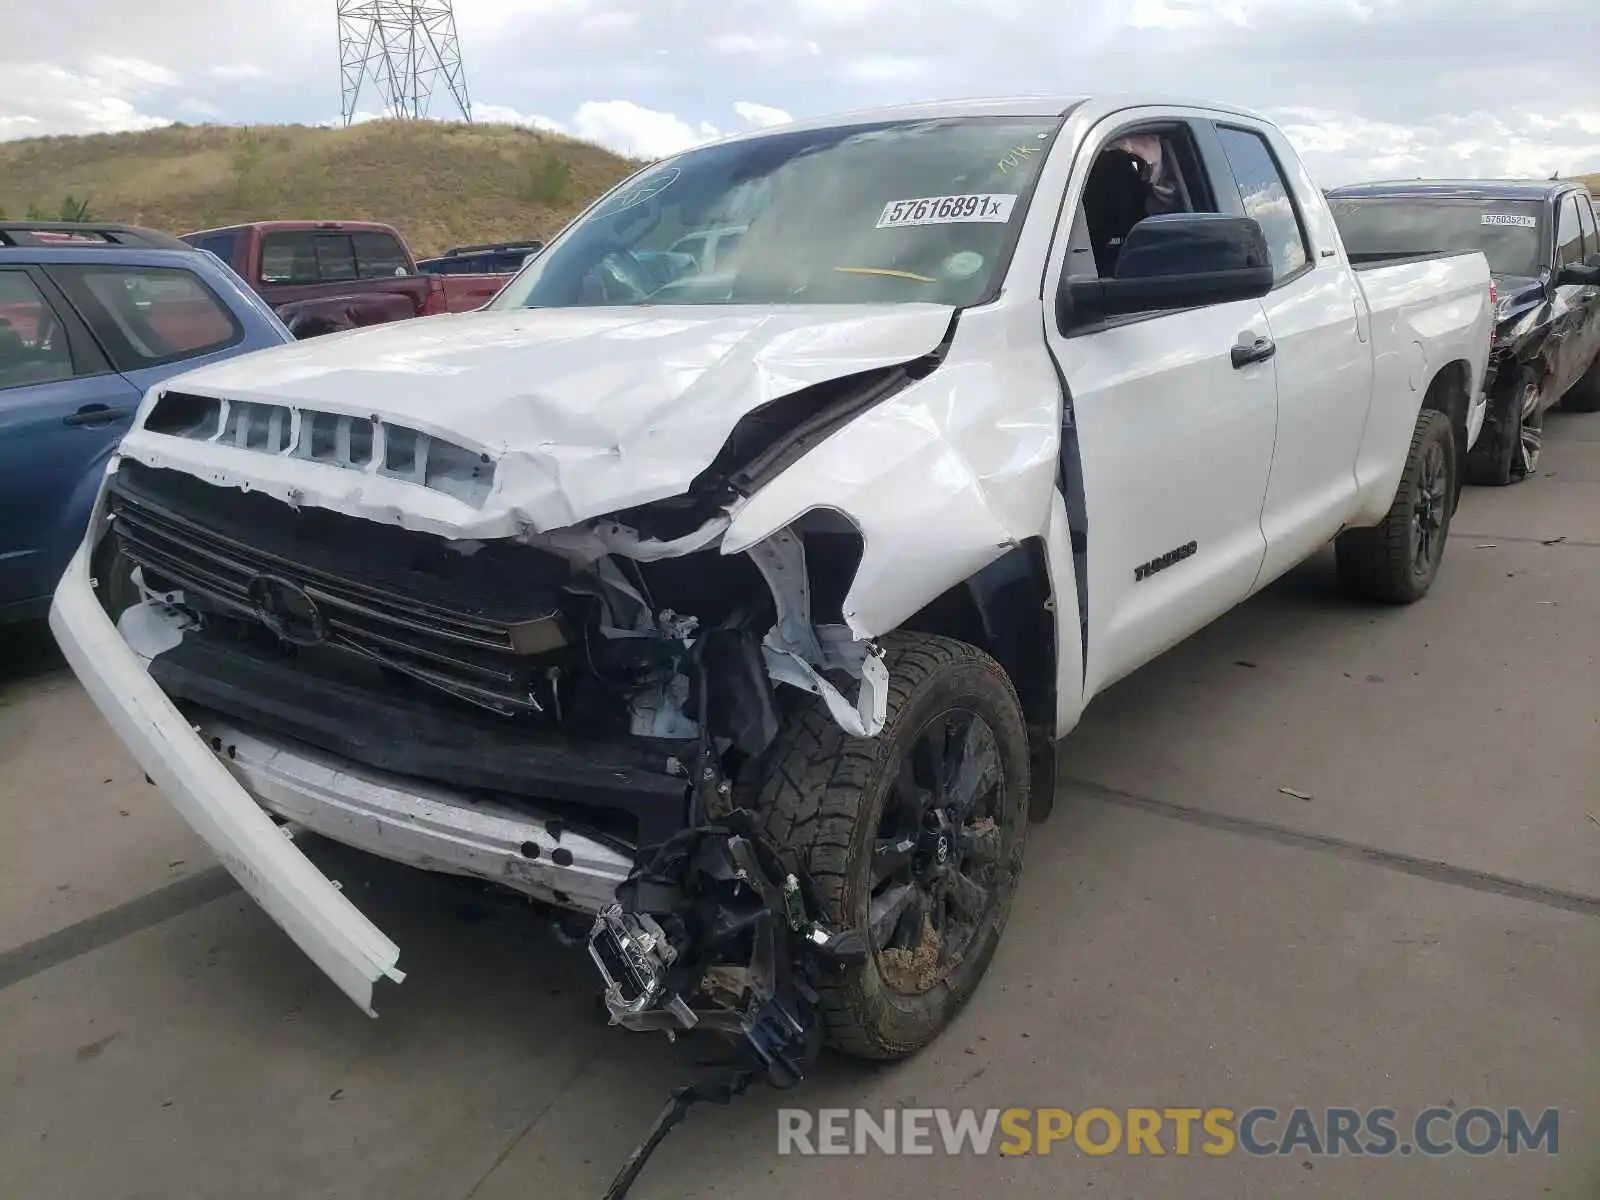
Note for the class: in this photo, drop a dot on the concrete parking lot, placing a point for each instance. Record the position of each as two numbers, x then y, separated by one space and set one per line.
1415 922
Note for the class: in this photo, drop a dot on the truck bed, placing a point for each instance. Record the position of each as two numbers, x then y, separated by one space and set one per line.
1371 259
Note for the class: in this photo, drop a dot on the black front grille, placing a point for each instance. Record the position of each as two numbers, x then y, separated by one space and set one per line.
238 554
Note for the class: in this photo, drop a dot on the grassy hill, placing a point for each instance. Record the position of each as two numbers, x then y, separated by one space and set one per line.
440 184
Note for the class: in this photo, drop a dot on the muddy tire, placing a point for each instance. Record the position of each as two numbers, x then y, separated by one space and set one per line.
1584 396
922 862
1397 561
1510 446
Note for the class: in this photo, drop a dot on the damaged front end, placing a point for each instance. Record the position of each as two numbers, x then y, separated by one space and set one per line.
603 685
615 680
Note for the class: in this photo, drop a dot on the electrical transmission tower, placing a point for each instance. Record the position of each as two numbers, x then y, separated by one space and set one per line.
405 47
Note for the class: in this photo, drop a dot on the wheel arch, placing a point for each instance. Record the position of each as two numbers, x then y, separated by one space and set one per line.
1006 609
1450 392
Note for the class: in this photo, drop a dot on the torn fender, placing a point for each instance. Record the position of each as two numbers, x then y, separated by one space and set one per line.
579 412
941 478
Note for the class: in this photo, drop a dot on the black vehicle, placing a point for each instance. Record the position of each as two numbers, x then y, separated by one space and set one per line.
491 258
1543 247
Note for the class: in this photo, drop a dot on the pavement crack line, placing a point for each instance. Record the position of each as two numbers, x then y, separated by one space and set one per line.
1320 843
32 958
23 962
1526 540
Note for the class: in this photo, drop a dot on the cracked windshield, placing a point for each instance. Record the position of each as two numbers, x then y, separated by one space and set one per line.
898 212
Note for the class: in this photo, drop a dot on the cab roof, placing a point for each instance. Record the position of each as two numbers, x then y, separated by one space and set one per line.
1464 189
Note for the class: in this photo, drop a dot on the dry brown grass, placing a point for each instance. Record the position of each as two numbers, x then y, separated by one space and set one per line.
1593 182
440 184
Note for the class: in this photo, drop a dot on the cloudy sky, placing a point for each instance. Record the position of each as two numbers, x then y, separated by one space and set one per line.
1364 87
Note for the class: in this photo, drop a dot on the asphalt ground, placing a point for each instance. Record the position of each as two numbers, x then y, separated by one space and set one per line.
1319 855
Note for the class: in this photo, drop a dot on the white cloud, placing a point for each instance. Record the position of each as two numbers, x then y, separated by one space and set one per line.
769 47
609 24
760 116
1384 86
503 114
103 95
241 70
637 131
885 68
130 73
190 107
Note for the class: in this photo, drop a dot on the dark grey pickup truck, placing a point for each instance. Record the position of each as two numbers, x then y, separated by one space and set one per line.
1543 247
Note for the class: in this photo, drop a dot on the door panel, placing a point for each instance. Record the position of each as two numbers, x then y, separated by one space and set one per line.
1325 370
1572 306
52 437
1175 445
1589 297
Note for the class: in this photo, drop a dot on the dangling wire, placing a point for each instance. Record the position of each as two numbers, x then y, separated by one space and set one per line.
720 1090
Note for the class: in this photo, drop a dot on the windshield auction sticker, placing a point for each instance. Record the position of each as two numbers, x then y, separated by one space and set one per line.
988 208
1517 219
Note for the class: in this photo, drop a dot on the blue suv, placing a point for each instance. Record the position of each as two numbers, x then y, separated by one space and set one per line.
91 316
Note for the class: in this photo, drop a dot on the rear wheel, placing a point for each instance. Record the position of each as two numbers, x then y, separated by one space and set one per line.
914 838
1584 396
1397 561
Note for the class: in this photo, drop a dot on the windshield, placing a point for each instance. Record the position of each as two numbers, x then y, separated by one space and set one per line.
903 211
1507 231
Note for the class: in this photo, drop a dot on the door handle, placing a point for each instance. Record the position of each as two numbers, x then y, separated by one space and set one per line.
96 414
1259 350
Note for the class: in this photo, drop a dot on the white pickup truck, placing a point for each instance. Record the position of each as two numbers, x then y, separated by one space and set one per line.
992 403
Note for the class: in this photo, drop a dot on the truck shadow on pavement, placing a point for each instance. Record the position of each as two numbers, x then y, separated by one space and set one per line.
28 651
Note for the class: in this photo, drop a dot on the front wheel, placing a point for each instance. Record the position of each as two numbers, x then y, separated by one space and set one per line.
1509 449
1397 561
914 839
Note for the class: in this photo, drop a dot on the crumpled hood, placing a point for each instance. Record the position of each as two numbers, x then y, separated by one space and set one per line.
1518 294
585 411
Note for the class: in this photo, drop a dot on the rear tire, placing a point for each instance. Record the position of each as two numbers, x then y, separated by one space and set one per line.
1584 396
1397 561
835 805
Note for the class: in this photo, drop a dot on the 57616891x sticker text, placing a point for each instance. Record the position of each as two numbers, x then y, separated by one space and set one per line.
987 208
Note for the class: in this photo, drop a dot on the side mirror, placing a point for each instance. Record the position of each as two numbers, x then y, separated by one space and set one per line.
1172 261
1584 274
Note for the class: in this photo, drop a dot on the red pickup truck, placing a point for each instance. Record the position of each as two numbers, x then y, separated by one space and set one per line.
324 276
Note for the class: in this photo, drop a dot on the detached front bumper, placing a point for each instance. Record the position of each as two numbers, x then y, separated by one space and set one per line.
225 777
349 948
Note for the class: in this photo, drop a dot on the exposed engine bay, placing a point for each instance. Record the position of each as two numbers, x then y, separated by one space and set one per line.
675 650
592 633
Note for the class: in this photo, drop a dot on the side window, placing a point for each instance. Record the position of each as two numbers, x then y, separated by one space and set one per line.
147 316
694 245
1591 237
1266 198
1569 234
726 246
378 255
288 258
336 257
1140 173
220 244
33 341
308 257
